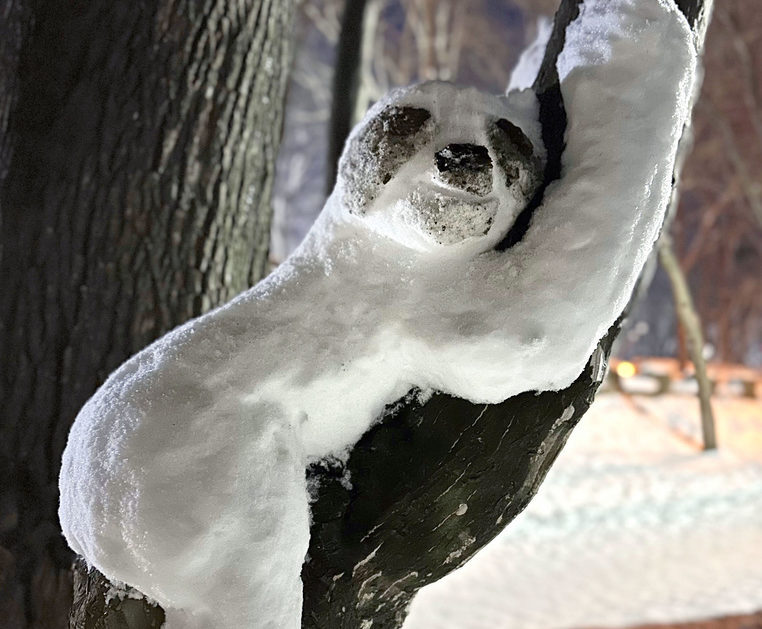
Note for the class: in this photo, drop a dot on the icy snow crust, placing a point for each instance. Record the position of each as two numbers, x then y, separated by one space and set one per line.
184 474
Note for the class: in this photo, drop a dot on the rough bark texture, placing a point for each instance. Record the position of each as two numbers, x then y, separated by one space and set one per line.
433 483
98 606
137 147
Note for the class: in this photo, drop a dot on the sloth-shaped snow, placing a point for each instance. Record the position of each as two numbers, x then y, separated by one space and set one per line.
184 474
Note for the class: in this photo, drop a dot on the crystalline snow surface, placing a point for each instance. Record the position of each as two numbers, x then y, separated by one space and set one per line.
184 474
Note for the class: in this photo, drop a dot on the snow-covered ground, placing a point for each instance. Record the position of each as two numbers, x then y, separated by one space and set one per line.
633 525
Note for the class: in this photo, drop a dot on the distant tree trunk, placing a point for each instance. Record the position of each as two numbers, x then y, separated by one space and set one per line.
367 89
691 326
345 84
137 147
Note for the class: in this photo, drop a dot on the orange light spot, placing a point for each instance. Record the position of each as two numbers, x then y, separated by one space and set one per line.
626 369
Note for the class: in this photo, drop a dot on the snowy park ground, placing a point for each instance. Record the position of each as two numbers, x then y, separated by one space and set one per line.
633 526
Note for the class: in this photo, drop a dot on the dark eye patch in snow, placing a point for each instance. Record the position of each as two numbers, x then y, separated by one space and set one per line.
403 121
516 157
375 155
514 153
516 136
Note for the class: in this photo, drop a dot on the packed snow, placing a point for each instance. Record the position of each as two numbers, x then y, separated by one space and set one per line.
184 474
633 525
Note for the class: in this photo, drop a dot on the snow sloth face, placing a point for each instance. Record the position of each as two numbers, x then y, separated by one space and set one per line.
434 166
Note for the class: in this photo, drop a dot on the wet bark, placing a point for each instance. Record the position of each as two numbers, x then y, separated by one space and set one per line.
137 147
433 483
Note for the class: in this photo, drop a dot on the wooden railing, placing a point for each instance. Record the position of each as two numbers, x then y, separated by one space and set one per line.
660 375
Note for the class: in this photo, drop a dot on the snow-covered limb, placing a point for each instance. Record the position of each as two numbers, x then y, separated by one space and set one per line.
184 474
197 446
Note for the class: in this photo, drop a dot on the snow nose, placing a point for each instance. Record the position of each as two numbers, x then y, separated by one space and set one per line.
467 167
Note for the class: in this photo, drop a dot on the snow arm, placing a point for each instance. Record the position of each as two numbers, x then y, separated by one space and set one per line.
627 75
529 317
626 108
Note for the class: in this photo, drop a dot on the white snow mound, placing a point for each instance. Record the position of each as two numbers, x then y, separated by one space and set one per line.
184 475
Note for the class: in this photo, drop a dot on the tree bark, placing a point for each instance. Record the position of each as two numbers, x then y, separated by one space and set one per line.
98 606
430 486
137 148
433 483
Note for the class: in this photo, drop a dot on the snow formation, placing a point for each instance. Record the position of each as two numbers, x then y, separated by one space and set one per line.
184 474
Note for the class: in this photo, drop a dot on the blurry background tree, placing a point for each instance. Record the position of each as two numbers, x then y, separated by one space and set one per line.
137 149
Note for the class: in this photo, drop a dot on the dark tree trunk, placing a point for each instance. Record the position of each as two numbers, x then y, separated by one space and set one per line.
137 147
433 483
345 84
